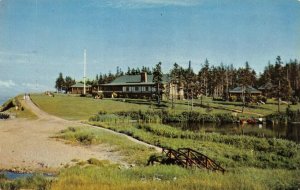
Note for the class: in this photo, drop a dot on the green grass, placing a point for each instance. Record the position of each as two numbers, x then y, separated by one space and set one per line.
81 108
264 109
173 177
132 152
33 182
251 162
228 150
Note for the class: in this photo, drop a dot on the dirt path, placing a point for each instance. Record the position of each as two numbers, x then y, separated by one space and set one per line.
27 144
45 116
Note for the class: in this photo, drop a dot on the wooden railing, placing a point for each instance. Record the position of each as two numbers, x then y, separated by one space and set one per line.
188 157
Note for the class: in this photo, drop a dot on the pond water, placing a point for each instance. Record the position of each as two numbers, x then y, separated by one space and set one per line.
290 132
15 175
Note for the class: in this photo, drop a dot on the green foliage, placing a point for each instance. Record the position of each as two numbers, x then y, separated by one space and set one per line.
4 115
60 82
132 152
261 98
34 182
295 100
233 98
173 178
96 162
288 116
107 118
7 105
166 117
229 150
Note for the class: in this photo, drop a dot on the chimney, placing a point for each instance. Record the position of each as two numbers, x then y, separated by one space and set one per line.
144 77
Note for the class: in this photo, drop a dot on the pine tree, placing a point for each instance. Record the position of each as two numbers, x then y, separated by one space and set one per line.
60 82
157 79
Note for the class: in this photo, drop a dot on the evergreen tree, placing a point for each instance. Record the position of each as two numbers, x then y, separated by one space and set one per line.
60 82
157 79
68 83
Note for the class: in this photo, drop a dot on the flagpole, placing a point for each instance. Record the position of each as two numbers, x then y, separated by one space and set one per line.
84 72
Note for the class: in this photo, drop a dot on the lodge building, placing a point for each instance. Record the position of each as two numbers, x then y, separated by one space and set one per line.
140 86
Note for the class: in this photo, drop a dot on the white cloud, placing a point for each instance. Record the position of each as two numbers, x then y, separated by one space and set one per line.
7 84
135 4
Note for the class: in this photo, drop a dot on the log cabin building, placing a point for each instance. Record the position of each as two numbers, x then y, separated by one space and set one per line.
78 88
140 86
239 91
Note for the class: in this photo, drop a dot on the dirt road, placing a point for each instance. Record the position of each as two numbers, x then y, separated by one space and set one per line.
27 144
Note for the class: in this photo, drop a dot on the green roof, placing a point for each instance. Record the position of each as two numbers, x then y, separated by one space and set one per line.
267 86
80 85
249 89
136 80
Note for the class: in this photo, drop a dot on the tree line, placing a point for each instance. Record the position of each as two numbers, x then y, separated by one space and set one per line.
283 79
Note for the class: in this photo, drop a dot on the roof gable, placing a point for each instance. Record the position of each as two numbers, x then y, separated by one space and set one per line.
80 85
133 79
248 89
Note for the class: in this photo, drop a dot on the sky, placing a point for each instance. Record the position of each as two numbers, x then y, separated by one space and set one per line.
40 38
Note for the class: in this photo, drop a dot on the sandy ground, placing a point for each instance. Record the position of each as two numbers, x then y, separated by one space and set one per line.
27 144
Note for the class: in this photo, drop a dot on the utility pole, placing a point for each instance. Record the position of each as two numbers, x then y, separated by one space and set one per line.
84 72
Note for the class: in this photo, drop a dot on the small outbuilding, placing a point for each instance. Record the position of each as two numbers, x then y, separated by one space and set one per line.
78 88
267 89
238 91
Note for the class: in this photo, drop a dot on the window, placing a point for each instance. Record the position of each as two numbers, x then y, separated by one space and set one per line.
136 88
127 88
146 88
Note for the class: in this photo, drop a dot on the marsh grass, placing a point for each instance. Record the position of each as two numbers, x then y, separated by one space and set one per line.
173 177
34 182
132 152
228 150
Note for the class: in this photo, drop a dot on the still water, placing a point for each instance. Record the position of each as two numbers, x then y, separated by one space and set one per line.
15 175
290 132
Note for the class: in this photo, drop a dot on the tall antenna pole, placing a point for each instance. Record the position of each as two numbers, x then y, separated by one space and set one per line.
84 70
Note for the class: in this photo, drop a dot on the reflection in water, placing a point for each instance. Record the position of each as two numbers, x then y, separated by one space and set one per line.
291 131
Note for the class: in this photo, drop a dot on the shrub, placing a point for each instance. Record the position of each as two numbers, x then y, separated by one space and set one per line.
85 138
232 98
96 162
4 115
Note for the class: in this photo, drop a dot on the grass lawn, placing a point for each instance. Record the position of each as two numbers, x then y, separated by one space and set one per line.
81 108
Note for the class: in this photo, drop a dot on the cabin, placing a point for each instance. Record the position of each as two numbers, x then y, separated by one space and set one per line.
78 88
239 91
267 89
140 86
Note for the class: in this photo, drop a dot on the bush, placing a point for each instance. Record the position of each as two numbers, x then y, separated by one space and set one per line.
85 138
261 98
96 162
4 116
232 98
294 100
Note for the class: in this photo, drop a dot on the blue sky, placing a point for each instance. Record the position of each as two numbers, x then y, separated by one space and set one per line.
40 38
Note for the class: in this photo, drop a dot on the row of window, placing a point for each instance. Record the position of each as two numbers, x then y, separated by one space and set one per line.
138 89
